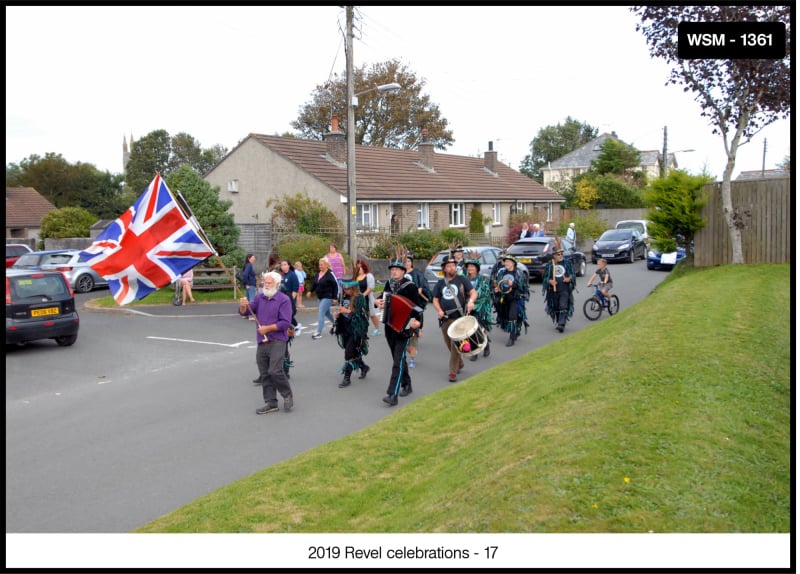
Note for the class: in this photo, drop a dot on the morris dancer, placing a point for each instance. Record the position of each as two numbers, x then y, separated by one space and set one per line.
483 302
559 281
351 326
399 330
510 293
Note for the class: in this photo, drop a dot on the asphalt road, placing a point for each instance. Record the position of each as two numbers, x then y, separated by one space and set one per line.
154 405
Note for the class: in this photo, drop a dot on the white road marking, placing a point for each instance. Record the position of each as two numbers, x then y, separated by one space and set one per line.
239 344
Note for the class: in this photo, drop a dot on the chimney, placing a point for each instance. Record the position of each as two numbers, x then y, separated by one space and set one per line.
426 151
336 145
490 159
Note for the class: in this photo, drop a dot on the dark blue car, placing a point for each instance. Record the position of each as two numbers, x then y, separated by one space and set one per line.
664 261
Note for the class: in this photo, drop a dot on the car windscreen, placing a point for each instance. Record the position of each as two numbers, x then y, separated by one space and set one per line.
631 225
535 248
616 235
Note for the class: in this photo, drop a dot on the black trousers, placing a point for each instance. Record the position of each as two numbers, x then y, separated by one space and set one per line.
397 347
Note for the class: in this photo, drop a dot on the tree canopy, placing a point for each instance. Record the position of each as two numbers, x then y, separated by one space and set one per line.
553 142
67 222
70 185
739 97
383 119
158 152
211 212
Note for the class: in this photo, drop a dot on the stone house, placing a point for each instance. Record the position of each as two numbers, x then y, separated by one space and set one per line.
580 160
396 190
25 208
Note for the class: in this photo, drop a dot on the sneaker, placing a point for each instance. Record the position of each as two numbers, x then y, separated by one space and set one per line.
316 336
412 363
251 318
376 332
298 331
288 403
267 409
390 400
451 377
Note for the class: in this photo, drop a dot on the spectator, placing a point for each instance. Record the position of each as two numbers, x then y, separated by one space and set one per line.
289 285
366 284
327 290
525 231
187 279
301 278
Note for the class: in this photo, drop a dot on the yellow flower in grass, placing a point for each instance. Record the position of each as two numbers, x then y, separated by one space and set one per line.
627 479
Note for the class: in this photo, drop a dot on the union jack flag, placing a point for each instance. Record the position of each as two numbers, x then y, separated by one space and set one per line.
149 246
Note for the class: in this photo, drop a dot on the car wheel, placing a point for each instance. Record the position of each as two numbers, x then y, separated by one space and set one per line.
632 255
67 340
581 268
84 284
594 260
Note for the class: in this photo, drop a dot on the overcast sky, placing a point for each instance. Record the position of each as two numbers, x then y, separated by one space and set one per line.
79 79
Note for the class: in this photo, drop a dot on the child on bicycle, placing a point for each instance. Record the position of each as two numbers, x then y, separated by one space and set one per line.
604 275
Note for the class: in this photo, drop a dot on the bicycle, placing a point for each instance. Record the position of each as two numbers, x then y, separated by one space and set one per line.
594 305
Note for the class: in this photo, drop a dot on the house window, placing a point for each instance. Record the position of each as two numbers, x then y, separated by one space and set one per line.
496 213
367 216
457 211
518 207
422 216
549 211
233 185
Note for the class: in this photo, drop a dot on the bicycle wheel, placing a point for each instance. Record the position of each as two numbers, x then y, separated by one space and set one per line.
613 305
592 309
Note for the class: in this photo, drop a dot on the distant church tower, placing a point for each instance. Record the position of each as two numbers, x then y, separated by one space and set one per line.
126 153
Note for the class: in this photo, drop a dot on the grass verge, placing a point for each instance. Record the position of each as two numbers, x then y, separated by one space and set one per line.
672 416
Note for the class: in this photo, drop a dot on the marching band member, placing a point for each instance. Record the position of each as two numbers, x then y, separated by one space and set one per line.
351 327
453 297
402 310
559 281
483 302
510 293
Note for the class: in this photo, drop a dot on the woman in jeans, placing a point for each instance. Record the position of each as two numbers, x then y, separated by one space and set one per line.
326 287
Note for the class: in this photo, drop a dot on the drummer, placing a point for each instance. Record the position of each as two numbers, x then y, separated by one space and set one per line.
483 302
453 298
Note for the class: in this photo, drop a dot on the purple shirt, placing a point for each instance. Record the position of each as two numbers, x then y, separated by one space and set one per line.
277 310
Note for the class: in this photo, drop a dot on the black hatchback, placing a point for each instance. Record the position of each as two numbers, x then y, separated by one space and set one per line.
40 305
535 252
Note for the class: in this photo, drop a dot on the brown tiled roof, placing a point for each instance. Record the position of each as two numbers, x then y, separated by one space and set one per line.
384 174
25 207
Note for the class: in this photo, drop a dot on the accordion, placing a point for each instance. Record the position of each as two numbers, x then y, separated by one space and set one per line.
399 310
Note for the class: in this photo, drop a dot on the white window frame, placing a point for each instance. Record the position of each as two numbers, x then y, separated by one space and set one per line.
495 212
549 211
458 215
366 216
423 220
233 185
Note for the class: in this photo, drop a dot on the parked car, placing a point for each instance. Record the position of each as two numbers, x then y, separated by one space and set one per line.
81 277
489 254
535 252
619 245
14 251
34 260
664 261
639 225
40 305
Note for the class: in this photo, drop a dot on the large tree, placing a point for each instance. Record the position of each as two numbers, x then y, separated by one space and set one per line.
739 97
553 142
392 119
211 213
158 152
70 185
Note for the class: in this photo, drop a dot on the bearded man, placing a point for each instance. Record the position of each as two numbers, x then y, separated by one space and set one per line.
273 314
453 297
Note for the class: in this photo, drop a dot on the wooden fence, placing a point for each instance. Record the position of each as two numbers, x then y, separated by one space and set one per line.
766 209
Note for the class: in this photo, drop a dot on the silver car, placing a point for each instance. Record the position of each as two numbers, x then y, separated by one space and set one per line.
489 255
78 273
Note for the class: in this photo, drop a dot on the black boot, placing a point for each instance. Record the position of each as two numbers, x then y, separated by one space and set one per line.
346 380
405 391
511 340
473 358
486 350
364 370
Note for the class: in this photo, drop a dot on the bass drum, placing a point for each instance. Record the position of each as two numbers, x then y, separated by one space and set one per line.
467 335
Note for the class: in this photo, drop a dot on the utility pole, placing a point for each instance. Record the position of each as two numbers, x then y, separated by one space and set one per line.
664 156
352 249
764 158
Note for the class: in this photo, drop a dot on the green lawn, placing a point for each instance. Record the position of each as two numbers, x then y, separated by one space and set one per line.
677 419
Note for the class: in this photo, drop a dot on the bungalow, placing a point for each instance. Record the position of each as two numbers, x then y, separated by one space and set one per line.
25 208
396 190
